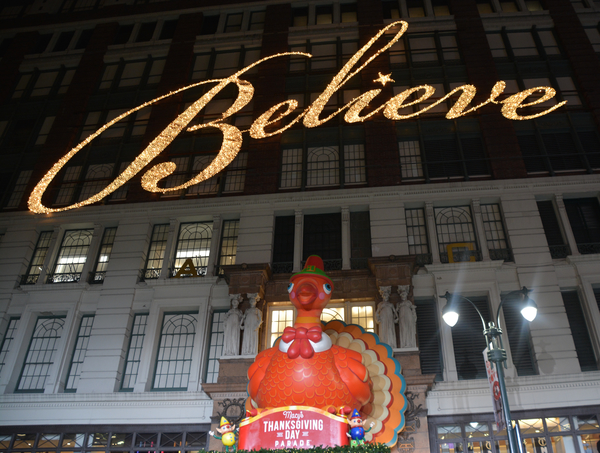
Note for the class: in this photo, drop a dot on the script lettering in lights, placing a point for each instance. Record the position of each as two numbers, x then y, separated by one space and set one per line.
311 117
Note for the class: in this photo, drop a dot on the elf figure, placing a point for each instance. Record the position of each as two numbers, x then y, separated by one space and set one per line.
228 434
357 432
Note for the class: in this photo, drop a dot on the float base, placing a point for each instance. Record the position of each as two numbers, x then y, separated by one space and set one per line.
293 427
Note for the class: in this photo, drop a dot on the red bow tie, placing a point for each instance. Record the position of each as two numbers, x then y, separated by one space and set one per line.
301 345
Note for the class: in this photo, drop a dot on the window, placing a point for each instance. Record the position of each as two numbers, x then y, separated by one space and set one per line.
495 234
428 335
9 336
233 22
360 239
106 246
134 352
322 166
38 258
519 339
435 150
19 189
156 251
81 345
416 230
579 331
468 341
548 147
410 159
68 186
323 237
415 8
215 346
175 351
327 56
71 256
123 34
209 186
235 174
425 49
440 7
193 243
279 319
584 217
351 313
40 354
168 29
553 230
137 74
291 168
348 12
299 17
97 177
229 240
324 14
107 438
456 235
46 83
209 25
146 32
390 9
283 244
319 166
63 41
257 20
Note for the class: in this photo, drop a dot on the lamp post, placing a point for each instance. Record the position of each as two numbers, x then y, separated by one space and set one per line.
496 351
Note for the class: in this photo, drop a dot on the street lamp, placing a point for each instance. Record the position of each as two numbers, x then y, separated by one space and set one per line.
496 351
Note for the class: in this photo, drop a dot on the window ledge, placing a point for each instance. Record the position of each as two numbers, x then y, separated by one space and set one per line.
475 265
56 286
179 281
588 257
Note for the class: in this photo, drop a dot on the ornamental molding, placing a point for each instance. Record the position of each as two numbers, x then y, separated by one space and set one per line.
120 398
584 381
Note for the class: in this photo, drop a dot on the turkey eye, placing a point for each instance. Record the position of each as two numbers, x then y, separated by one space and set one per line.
290 287
327 288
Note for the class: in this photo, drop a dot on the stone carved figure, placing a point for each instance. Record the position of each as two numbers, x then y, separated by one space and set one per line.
407 317
233 320
251 322
387 317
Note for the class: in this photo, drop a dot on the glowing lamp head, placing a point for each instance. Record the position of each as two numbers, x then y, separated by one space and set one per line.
450 312
450 315
529 311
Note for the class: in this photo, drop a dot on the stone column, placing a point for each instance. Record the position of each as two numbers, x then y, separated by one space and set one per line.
214 245
92 253
298 231
346 250
480 230
432 233
173 229
564 219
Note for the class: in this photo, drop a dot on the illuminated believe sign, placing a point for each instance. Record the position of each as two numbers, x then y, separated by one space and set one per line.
311 117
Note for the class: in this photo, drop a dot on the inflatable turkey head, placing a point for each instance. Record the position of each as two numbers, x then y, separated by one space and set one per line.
310 289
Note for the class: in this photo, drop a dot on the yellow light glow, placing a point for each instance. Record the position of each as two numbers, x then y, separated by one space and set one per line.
232 136
383 79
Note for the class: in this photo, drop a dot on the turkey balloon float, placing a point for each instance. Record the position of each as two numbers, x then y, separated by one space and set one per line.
303 389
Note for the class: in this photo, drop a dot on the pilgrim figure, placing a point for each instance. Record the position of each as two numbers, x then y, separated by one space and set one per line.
386 317
251 322
233 320
407 317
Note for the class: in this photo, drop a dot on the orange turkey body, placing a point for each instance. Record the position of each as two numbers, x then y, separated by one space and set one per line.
316 382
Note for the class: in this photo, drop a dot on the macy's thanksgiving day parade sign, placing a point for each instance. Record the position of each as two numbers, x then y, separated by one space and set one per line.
311 117
320 384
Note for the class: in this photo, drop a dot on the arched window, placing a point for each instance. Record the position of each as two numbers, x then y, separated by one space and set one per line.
323 166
